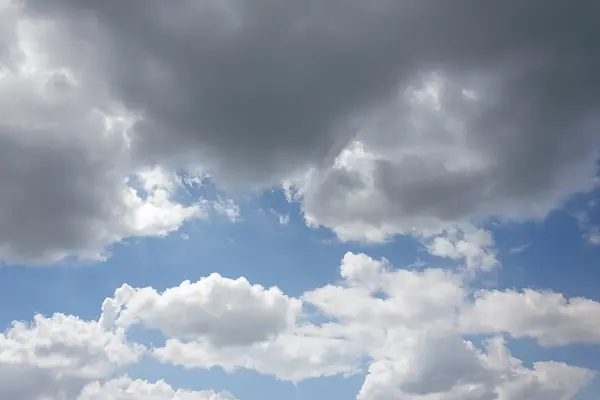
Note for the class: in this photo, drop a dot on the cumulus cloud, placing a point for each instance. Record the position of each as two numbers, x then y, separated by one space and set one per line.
294 356
55 357
475 247
231 324
65 358
224 311
405 328
374 294
548 317
127 389
370 299
451 369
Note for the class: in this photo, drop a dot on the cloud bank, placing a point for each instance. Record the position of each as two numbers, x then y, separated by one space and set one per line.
407 330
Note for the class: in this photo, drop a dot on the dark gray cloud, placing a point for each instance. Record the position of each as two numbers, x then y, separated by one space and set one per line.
65 195
64 159
258 91
61 178
447 157
56 198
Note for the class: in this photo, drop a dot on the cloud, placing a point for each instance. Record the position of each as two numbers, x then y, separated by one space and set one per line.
548 317
373 294
390 117
451 369
55 357
519 249
406 328
223 311
381 117
283 219
127 389
71 187
65 358
422 166
225 207
474 246
231 324
294 356
591 232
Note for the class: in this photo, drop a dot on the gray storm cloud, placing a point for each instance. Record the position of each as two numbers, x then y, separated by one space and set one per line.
259 91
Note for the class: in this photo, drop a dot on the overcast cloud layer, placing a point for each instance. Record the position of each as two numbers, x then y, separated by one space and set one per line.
382 117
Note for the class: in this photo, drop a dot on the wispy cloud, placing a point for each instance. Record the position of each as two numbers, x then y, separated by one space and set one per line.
519 249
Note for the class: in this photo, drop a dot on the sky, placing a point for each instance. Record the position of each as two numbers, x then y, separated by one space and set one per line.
273 199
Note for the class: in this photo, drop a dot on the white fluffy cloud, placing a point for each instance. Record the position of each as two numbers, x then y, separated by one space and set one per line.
405 327
548 317
221 310
374 294
55 357
473 246
293 356
65 358
231 324
127 389
449 368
